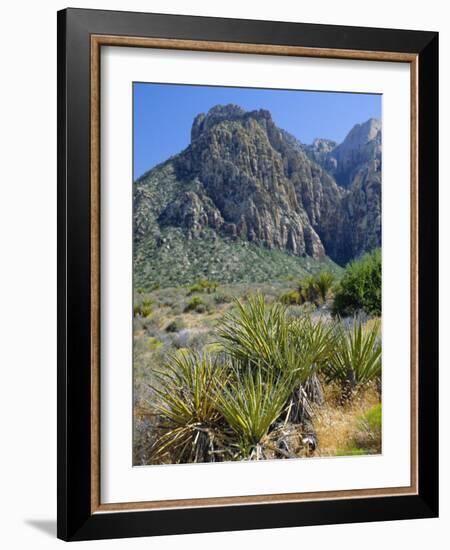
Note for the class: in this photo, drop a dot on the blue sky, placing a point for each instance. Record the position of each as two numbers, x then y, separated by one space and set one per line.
163 114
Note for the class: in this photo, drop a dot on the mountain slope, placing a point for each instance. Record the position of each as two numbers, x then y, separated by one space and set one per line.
246 197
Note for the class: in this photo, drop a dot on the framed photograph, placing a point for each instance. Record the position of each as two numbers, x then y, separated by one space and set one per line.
247 253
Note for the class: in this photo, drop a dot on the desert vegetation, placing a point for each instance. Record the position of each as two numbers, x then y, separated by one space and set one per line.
283 369
257 278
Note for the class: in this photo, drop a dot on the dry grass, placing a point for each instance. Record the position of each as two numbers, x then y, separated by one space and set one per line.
338 425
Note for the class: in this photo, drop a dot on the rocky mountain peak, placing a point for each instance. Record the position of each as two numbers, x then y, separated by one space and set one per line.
203 122
227 113
361 145
361 134
245 180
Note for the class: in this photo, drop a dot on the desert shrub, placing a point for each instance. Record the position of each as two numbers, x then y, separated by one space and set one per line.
154 344
292 297
152 325
221 298
187 407
371 421
204 285
356 360
195 288
308 289
144 309
182 339
360 287
194 304
191 338
324 282
175 326
313 289
167 301
177 308
366 436
144 437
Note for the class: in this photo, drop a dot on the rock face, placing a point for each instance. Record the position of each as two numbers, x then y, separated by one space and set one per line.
244 179
356 166
361 147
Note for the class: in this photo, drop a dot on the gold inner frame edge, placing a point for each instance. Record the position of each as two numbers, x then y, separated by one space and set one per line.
97 41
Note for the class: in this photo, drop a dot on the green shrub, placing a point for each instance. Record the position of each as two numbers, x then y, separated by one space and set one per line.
204 285
308 289
196 303
315 288
144 309
195 288
292 297
324 282
371 421
366 438
221 298
360 287
175 326
154 344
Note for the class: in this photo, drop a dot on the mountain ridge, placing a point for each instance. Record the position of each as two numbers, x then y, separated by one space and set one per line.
243 179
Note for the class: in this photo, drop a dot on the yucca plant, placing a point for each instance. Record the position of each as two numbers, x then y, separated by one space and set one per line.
292 297
308 289
263 335
357 358
324 281
252 400
315 342
260 335
187 408
256 333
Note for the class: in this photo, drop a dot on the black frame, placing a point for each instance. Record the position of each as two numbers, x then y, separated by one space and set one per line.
75 521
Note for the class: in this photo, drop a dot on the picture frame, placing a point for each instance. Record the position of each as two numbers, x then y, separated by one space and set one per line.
81 36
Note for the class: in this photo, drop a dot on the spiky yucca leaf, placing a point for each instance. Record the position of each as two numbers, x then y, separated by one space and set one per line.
314 340
187 407
251 402
357 359
257 332
260 334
